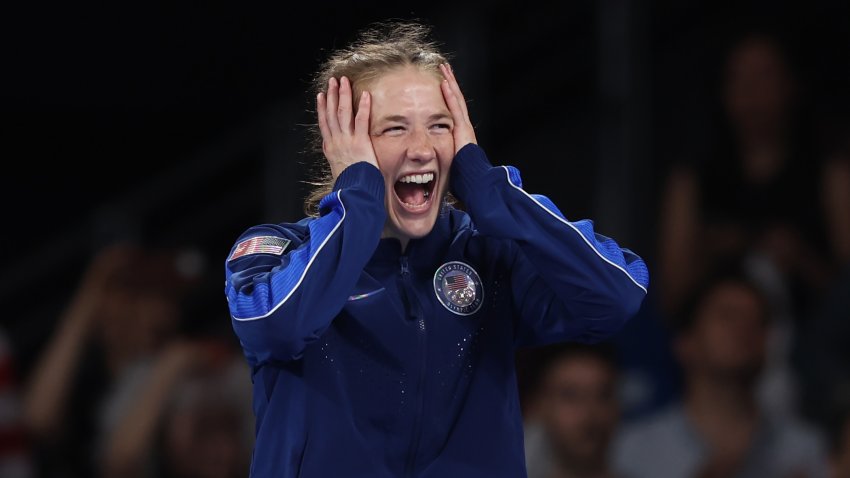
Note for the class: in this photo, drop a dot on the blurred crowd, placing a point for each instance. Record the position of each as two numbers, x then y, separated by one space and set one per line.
737 365
122 389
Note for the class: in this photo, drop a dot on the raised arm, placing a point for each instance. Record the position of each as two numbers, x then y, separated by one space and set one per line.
679 238
286 283
50 385
569 283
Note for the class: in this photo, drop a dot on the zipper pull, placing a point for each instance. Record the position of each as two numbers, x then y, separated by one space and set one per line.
404 269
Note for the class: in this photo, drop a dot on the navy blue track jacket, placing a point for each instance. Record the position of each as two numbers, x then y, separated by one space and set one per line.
370 362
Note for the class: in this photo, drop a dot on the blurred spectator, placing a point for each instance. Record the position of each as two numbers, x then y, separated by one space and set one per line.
767 195
822 353
14 448
102 354
572 412
764 191
719 430
192 419
648 371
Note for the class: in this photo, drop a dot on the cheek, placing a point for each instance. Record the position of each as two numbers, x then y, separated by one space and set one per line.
389 156
608 413
446 154
382 149
445 145
568 416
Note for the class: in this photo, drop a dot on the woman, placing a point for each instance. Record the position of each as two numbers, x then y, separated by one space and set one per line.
381 333
764 196
764 193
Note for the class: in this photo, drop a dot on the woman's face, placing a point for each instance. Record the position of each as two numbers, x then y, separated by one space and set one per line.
411 130
758 89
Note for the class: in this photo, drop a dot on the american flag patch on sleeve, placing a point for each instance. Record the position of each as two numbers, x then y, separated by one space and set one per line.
260 245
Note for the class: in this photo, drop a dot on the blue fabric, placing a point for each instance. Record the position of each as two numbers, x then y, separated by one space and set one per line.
629 261
270 289
395 383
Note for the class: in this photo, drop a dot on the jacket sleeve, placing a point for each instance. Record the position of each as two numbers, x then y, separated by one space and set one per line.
568 283
280 302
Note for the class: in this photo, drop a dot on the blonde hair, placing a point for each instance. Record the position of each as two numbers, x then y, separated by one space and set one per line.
377 50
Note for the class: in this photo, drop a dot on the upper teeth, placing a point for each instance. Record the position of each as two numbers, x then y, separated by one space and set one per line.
418 178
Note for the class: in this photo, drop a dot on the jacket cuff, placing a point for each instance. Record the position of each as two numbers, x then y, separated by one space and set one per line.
364 176
468 169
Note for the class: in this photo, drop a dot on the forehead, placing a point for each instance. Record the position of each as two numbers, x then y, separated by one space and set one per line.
579 369
731 294
728 301
407 89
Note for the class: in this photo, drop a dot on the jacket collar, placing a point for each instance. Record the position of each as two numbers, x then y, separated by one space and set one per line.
428 251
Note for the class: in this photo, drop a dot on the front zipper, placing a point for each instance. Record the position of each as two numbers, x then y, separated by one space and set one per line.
415 310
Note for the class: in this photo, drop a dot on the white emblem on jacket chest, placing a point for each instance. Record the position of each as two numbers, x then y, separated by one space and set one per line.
458 287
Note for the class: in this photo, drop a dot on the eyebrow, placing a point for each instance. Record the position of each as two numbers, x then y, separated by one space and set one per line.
403 119
439 116
395 118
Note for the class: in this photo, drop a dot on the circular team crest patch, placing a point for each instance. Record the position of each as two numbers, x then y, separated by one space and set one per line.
458 288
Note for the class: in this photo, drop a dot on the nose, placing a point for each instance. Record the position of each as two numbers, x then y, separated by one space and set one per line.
420 147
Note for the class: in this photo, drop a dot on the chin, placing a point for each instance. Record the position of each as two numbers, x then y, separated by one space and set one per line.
406 228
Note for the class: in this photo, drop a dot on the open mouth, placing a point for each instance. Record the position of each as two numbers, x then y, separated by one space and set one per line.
415 191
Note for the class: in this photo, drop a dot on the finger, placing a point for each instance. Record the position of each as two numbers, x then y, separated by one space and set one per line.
361 127
344 108
331 110
361 121
321 109
450 81
453 103
462 132
447 71
450 76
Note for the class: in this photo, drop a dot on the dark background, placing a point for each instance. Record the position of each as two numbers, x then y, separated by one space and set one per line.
182 125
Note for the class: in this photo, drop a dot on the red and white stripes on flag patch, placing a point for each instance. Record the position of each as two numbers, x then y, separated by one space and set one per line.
260 245
457 282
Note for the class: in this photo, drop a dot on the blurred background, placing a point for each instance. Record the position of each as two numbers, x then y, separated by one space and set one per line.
713 139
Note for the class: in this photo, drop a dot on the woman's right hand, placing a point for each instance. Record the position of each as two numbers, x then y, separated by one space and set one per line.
344 141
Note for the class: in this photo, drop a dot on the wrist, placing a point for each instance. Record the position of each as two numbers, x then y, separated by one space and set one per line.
464 143
468 168
362 175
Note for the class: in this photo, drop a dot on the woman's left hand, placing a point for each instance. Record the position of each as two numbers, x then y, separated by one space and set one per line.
463 131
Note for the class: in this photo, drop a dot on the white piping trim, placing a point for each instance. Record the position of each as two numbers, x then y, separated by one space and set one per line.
508 173
309 263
